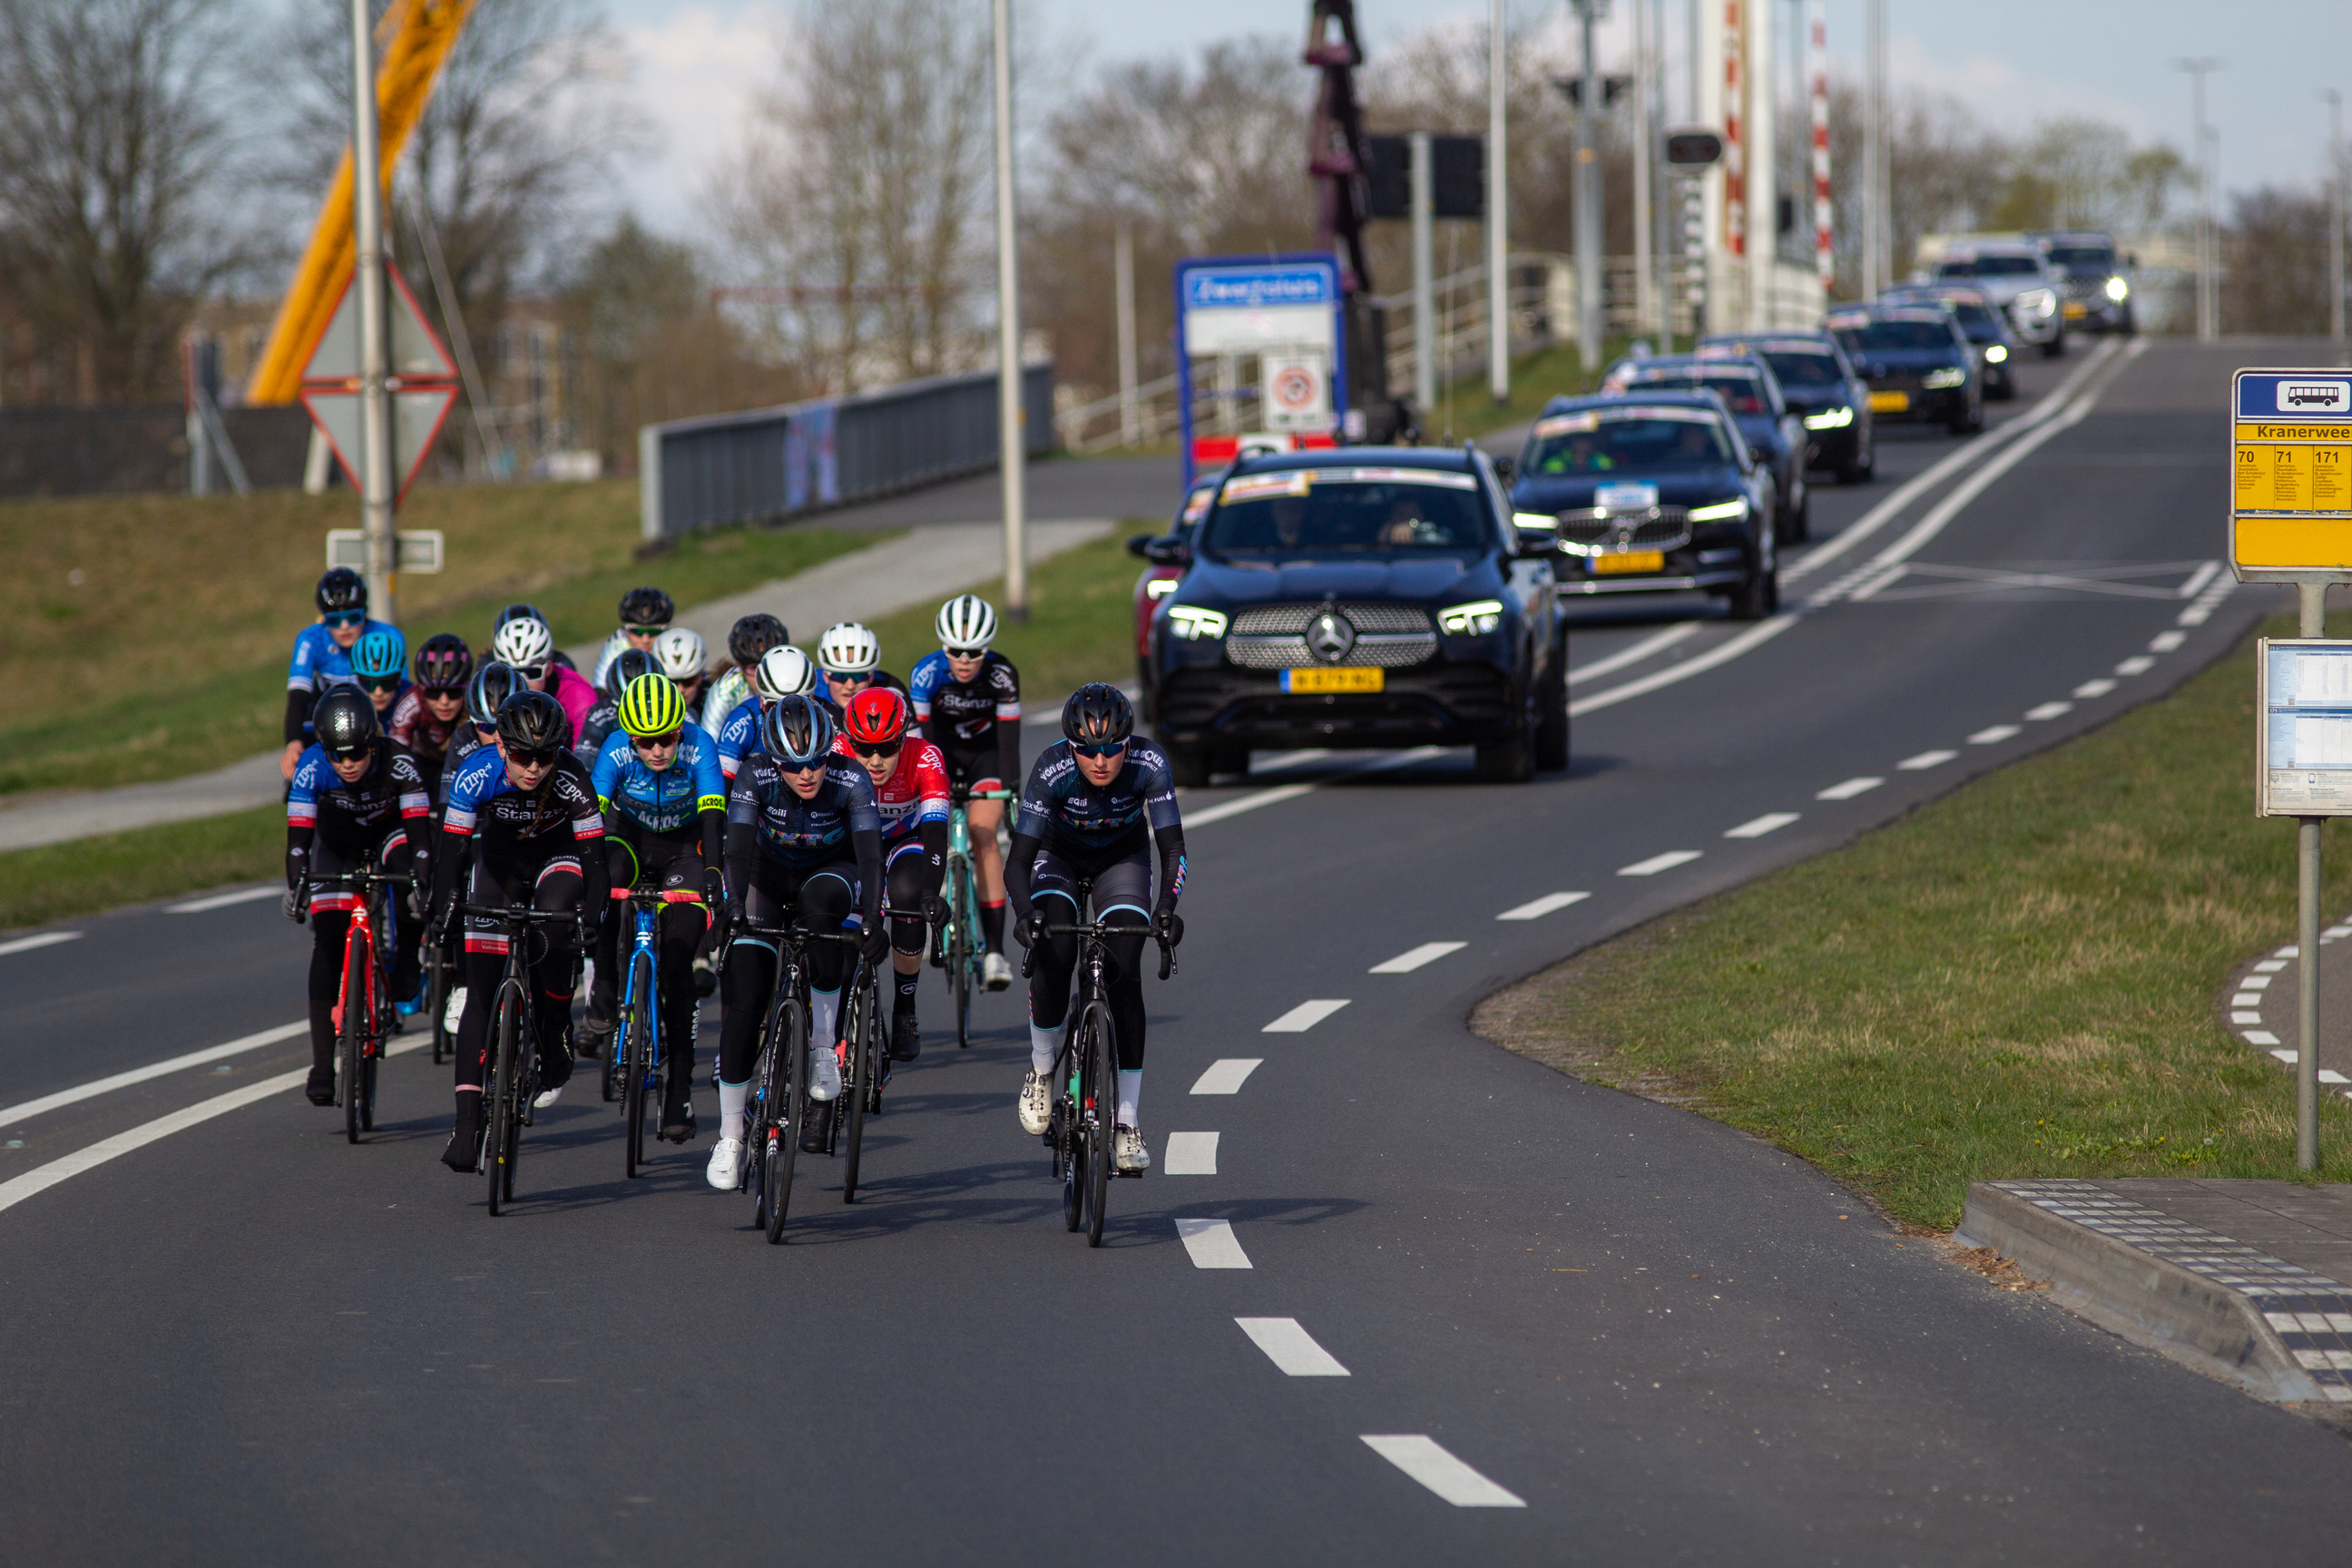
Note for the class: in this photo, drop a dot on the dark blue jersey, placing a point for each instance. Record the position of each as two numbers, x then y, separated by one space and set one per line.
1098 821
803 835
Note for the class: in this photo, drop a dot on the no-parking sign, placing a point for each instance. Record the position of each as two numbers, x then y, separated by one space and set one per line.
1297 390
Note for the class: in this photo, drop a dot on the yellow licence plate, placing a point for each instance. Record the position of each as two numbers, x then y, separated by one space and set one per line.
1629 561
1889 402
1319 682
2076 308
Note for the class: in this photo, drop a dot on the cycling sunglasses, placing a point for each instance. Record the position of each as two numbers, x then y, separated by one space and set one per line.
523 759
531 671
1112 750
888 749
657 742
849 677
980 652
644 631
381 683
347 618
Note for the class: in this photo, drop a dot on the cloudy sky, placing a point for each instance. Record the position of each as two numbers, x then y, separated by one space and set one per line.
697 63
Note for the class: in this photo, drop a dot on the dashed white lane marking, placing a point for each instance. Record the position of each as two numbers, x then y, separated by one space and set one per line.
2201 609
1304 1016
1657 863
2198 579
2269 966
223 901
1926 760
2098 688
1756 827
1420 1457
2245 1017
1291 1347
1535 908
1848 789
1633 655
1994 735
11 1114
2165 642
1226 1075
46 939
2049 710
2329 1075
2137 664
1414 958
1211 1243
2286 1057
2263 1037
1189 1154
2258 982
1247 803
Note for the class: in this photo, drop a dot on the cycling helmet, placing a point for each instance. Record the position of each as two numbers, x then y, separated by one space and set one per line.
445 663
628 665
533 722
518 613
652 706
848 648
1098 715
340 590
754 636
345 721
492 685
797 731
876 717
966 623
783 672
380 655
524 643
679 654
647 608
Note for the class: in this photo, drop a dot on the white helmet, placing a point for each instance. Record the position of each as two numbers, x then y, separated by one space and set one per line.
965 622
784 671
848 648
523 642
680 654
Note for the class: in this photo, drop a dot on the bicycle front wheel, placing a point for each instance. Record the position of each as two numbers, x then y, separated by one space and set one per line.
960 947
350 1034
636 1057
857 1083
502 1119
1099 1092
787 1104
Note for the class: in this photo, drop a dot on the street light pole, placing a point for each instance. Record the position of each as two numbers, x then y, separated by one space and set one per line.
2335 220
1498 215
367 243
2208 300
1012 449
1588 198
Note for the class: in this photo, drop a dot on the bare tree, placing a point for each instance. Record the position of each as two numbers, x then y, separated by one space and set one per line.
2275 262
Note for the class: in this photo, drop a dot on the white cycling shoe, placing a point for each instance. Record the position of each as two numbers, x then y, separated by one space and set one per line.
454 1012
995 973
725 1170
1036 1104
1130 1152
548 1097
824 1074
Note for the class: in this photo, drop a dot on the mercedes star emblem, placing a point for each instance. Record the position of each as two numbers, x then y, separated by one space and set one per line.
1330 638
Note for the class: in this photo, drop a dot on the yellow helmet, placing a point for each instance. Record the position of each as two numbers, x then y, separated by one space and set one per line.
652 705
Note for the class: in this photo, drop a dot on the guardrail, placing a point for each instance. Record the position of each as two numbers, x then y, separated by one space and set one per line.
769 463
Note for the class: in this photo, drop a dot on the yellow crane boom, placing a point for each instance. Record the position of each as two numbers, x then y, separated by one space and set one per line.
421 34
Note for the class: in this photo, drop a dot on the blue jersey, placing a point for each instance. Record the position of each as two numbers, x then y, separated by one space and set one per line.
803 835
1091 822
318 662
387 795
958 715
664 802
738 736
484 803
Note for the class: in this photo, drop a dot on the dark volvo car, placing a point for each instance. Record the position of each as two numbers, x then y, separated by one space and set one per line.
1361 597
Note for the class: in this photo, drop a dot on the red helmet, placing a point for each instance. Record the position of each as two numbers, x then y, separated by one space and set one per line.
876 717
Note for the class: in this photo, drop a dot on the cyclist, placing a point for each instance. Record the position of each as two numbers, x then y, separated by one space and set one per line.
355 797
1097 802
910 793
525 643
605 717
323 655
645 614
679 653
803 837
746 642
527 808
665 820
380 668
783 671
428 714
484 695
968 701
850 654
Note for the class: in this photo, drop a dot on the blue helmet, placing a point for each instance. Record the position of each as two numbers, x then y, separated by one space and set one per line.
380 655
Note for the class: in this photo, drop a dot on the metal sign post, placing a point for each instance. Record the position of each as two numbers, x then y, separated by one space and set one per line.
367 246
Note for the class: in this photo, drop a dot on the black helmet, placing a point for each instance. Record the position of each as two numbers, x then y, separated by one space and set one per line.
796 731
628 665
345 721
445 663
341 589
754 635
647 608
533 722
517 613
493 684
1097 714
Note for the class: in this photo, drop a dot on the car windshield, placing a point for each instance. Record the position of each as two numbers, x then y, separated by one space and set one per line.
1803 367
2085 258
1975 319
1742 392
1311 513
1638 441
1886 336
1989 267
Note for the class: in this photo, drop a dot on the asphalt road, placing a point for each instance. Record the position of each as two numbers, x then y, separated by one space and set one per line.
243 1340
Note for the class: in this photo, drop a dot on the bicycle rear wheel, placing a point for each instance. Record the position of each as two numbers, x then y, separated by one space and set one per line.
1099 1088
960 944
497 1103
857 1083
788 1094
636 1057
350 1034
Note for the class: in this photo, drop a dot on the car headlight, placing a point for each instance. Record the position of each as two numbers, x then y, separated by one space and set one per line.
1997 353
1950 375
1475 619
2118 290
1721 511
1160 587
1193 624
2037 302
1830 419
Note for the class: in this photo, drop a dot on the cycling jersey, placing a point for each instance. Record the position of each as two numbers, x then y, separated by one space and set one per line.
738 737
964 715
724 694
349 823
915 794
520 837
412 725
318 663
796 834
596 729
664 802
463 744
1086 822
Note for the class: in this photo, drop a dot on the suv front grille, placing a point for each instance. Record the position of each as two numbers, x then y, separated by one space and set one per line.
1278 619
1657 527
1272 636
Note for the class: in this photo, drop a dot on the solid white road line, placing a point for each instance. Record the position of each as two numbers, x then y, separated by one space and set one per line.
1722 653
1770 821
1304 1016
1995 735
46 939
1267 764
42 1178
1226 1075
223 901
1291 1347
1236 806
11 1114
2098 688
1635 653
1926 760
1535 908
2137 664
2165 641
1657 863
1405 962
2049 710
1211 1242
1189 1154
1420 1456
1848 789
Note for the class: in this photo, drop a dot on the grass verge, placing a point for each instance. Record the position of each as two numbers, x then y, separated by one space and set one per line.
2019 980
58 881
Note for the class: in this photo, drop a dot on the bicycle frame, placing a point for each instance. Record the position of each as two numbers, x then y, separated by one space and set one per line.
642 1080
510 1085
354 1079
962 933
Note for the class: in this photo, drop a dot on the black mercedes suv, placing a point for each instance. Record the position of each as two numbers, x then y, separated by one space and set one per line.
1362 596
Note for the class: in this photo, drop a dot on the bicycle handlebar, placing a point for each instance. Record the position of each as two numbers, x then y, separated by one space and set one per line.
958 794
1102 929
361 878
665 896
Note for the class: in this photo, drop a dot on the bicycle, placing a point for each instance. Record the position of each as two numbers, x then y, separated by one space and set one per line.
958 947
1084 1123
514 1045
636 1060
778 1107
440 975
864 1060
362 1015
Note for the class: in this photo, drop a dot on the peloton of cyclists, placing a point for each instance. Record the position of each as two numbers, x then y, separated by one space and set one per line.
967 698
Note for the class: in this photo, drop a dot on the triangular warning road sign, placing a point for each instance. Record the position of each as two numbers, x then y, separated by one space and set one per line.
417 413
416 350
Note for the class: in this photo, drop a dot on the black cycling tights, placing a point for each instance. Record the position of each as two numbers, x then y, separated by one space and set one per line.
554 976
824 901
1057 959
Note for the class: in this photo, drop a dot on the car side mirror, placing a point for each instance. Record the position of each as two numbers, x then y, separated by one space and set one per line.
1138 544
1507 470
1165 550
1537 538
